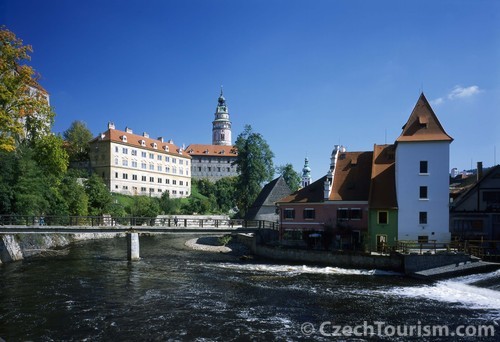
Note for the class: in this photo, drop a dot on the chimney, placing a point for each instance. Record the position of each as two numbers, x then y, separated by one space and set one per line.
160 138
111 125
479 170
145 135
129 130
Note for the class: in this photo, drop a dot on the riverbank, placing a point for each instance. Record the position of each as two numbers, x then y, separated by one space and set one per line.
16 247
212 244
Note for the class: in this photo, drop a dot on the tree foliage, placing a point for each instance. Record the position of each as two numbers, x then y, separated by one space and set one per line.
291 177
77 138
25 112
254 165
99 197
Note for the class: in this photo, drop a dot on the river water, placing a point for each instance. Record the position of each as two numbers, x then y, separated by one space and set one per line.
90 292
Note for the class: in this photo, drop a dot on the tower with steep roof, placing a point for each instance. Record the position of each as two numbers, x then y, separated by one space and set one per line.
221 126
422 179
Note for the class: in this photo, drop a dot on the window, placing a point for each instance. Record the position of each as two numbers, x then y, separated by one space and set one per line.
143 178
309 214
155 146
125 162
125 150
289 214
134 163
424 167
199 168
116 161
125 176
151 156
167 181
116 149
423 239
116 174
181 182
133 152
151 179
143 143
382 217
342 214
160 157
423 192
152 167
143 189
422 217
143 154
134 177
167 159
160 180
174 160
355 214
159 168
143 165
174 182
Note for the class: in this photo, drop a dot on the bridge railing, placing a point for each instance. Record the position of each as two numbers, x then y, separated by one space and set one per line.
109 221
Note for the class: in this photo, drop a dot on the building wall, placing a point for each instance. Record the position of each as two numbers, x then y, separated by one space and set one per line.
212 168
390 230
126 170
408 183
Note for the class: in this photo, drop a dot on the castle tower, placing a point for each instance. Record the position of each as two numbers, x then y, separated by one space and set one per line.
422 180
221 129
306 174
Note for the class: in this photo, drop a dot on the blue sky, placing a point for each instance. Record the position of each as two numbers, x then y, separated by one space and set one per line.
305 74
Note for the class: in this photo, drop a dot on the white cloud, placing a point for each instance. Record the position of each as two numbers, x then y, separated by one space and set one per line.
437 101
460 92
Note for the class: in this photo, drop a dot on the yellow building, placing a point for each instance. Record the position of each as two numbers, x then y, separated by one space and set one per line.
133 164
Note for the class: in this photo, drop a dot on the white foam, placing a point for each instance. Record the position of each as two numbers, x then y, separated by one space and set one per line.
457 290
295 269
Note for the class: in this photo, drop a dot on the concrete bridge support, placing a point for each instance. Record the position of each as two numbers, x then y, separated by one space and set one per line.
133 246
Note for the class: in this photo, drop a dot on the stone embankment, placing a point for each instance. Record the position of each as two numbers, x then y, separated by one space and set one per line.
14 247
212 244
425 266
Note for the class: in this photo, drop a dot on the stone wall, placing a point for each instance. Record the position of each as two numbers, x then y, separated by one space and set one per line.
14 247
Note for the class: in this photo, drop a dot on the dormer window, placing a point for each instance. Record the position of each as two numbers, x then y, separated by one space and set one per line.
143 143
124 138
155 146
165 148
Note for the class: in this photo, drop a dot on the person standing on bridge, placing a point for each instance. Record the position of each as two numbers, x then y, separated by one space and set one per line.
176 221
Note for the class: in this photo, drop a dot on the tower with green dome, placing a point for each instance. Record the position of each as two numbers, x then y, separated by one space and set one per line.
306 174
221 126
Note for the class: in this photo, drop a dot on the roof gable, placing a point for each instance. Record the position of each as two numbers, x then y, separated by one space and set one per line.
351 180
383 182
269 195
423 124
313 193
489 180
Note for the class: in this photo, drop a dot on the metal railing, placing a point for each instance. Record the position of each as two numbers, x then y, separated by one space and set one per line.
110 221
484 249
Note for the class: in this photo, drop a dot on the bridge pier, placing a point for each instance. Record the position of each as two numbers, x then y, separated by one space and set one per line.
133 246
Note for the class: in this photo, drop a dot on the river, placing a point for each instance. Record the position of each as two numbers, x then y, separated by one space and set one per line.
89 292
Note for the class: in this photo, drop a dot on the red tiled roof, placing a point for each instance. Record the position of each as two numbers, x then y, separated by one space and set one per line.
211 150
135 140
351 180
423 125
313 193
383 182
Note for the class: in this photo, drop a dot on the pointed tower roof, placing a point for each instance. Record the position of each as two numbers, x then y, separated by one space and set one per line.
423 125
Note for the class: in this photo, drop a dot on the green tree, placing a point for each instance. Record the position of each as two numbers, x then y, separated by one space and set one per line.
254 165
77 137
144 206
30 186
74 194
225 193
169 206
8 173
51 156
99 196
291 177
24 110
